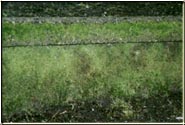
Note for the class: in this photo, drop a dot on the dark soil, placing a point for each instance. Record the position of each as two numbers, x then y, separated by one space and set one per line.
157 108
88 9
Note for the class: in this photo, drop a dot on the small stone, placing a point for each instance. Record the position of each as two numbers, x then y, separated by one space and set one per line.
179 118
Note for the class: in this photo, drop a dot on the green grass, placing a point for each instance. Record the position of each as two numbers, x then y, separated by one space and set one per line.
35 77
132 76
61 33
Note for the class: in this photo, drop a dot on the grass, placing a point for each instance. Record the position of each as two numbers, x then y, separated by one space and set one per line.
105 83
34 77
56 33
